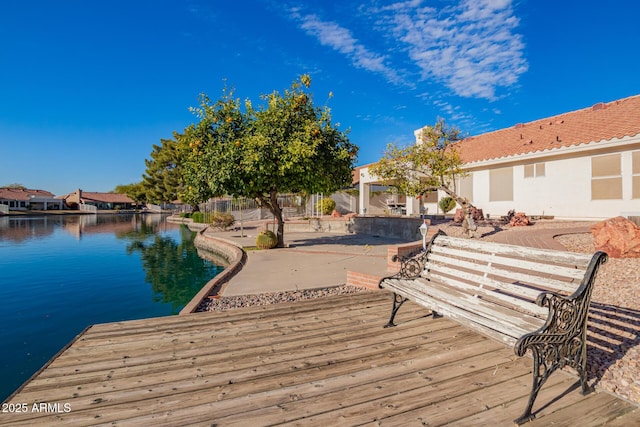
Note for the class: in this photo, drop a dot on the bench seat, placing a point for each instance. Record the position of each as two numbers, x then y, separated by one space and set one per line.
500 323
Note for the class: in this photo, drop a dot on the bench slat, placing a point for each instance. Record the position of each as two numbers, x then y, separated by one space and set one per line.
488 289
542 255
507 320
483 271
501 322
469 320
522 264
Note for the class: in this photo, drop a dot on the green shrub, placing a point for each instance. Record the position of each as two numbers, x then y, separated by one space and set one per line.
198 217
220 220
326 206
266 240
447 203
185 215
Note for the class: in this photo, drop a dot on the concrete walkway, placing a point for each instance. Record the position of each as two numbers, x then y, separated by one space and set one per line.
314 260
536 238
311 260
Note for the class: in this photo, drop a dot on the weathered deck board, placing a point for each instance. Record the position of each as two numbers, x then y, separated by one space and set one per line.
321 362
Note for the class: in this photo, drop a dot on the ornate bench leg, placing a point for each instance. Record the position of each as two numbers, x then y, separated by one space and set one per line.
398 300
581 367
538 379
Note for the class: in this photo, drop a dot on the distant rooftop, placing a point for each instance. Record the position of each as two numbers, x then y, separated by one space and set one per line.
21 194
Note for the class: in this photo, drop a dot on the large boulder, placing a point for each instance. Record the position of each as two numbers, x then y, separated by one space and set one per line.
618 237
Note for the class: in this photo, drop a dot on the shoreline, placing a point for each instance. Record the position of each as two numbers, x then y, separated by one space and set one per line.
32 213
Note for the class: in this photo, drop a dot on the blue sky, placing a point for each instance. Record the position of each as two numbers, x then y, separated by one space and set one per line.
87 86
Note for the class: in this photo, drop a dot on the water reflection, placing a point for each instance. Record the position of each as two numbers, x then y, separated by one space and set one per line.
171 264
20 228
174 270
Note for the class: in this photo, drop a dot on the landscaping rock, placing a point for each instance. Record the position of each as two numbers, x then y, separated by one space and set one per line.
618 237
519 219
475 213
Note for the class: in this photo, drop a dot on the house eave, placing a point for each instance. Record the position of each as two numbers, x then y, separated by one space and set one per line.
614 144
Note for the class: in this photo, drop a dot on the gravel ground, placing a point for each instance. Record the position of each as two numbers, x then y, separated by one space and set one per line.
614 325
614 322
228 303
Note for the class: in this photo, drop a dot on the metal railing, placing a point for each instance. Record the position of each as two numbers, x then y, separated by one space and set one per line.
291 204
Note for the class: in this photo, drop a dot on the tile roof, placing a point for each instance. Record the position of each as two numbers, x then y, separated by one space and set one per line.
23 194
603 121
106 197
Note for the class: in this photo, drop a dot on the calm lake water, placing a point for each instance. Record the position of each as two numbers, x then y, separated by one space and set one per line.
60 274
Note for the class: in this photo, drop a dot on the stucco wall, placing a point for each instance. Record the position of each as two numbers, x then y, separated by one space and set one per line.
564 191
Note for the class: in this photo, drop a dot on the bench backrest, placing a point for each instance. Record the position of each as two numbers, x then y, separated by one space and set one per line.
508 275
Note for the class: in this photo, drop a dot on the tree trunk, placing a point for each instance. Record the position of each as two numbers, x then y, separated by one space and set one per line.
272 204
277 213
468 224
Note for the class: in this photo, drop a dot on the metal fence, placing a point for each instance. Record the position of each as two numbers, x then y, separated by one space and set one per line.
291 204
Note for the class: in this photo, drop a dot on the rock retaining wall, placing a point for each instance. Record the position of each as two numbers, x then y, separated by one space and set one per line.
225 250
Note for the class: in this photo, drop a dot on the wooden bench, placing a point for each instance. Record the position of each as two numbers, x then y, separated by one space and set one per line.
532 299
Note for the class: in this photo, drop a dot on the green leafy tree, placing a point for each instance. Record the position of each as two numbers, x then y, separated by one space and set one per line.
136 191
16 186
287 146
162 179
433 163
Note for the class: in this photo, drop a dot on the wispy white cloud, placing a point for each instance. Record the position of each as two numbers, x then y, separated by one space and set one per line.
472 47
341 39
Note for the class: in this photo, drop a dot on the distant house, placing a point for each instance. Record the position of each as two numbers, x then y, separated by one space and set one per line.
102 201
583 164
22 199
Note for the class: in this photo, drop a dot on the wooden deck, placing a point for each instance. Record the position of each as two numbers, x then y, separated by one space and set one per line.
321 362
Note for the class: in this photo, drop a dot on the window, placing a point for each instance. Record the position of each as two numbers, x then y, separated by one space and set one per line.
606 177
635 171
466 187
534 170
431 197
501 185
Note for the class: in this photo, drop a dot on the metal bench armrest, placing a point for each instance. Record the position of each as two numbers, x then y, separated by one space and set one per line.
411 266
